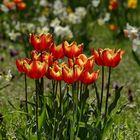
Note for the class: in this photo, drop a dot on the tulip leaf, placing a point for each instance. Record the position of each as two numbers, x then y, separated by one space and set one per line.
114 103
107 125
41 118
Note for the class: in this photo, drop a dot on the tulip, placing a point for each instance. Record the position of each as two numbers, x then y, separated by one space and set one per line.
20 63
18 1
56 72
10 5
57 51
71 75
21 6
113 27
47 57
113 4
98 56
85 62
36 56
68 75
111 58
41 42
89 78
72 50
107 57
35 69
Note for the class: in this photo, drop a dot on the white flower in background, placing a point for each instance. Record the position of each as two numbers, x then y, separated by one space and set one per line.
8 76
95 3
63 32
43 3
13 35
42 30
72 18
107 17
81 12
17 25
3 8
133 34
55 22
24 27
42 20
59 9
136 44
30 27
77 16
101 21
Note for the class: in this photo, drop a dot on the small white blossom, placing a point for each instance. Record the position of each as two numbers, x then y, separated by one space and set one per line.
77 16
101 21
135 44
42 20
95 3
42 30
59 9
43 3
13 35
55 22
4 8
8 77
63 32
133 34
107 17
81 12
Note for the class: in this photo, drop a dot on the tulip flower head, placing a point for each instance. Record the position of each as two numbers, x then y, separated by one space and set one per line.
89 77
111 58
108 57
56 71
85 62
57 51
113 5
41 42
35 69
21 6
20 63
18 1
72 50
68 75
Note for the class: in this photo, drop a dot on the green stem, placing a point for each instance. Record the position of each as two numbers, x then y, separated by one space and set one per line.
53 86
61 96
56 88
102 88
81 109
53 133
74 113
26 98
36 101
107 95
97 96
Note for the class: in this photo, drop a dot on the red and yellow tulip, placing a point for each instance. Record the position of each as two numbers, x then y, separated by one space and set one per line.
108 57
72 50
41 42
35 69
57 51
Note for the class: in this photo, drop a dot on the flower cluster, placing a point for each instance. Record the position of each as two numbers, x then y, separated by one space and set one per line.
46 57
19 4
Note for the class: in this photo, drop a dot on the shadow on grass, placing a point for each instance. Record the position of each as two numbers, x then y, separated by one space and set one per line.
137 59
